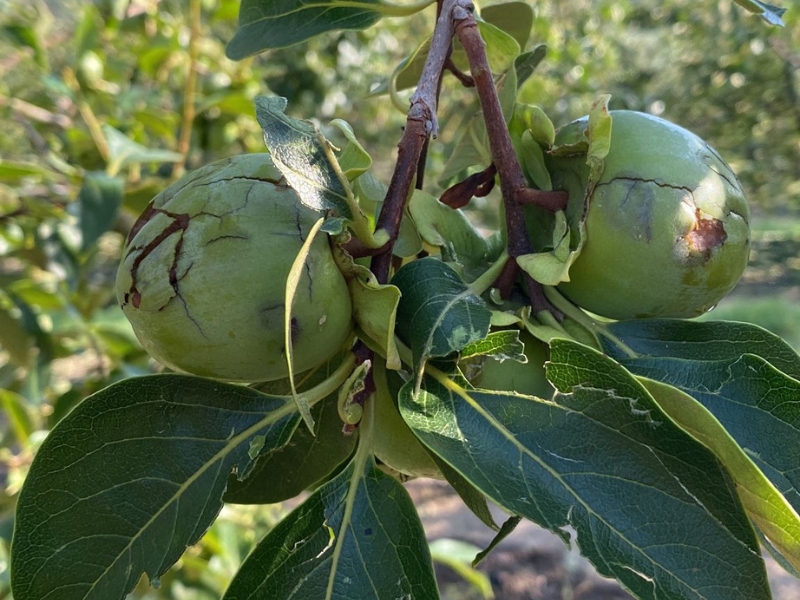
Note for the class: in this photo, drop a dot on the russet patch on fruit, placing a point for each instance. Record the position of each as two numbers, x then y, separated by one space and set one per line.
667 223
203 276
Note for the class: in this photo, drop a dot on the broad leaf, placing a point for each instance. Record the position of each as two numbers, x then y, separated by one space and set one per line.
303 156
756 403
450 230
764 503
304 460
357 536
438 314
100 197
650 506
123 151
700 341
269 24
133 476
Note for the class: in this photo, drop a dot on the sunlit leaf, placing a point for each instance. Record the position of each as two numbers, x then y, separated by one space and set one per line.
303 156
650 506
769 12
100 197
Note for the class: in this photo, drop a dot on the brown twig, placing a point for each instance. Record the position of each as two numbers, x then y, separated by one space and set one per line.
513 185
420 124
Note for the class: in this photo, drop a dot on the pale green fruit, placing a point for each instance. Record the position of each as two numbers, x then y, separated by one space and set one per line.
203 276
393 441
511 375
667 227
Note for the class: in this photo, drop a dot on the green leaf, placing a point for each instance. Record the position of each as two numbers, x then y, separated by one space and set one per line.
130 478
100 197
268 24
354 159
283 473
700 341
357 536
14 171
526 63
514 18
472 497
123 151
755 402
16 411
25 35
650 506
765 505
501 48
303 156
500 345
450 230
438 314
769 12
458 555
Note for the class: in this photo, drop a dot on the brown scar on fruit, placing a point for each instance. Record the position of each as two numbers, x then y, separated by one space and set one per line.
706 235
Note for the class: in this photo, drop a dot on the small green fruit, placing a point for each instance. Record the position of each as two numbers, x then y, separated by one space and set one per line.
203 276
510 375
667 226
393 442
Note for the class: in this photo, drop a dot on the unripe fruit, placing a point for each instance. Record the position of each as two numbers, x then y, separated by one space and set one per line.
203 276
511 375
394 443
667 227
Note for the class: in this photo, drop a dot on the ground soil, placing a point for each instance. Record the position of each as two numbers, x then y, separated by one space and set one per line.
531 563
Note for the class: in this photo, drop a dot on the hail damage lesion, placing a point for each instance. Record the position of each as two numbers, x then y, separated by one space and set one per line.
706 235
179 224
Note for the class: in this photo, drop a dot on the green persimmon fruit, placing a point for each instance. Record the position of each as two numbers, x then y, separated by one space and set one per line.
393 441
667 224
511 375
203 276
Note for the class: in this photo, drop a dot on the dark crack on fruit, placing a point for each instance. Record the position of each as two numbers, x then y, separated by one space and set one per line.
216 309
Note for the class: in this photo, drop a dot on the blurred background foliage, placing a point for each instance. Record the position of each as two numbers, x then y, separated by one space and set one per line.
92 102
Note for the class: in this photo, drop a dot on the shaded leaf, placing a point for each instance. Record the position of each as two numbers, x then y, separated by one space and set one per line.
357 536
269 24
303 157
130 478
768 509
100 197
650 505
700 341
304 460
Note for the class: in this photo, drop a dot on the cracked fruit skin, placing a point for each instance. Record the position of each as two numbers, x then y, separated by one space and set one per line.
667 226
204 271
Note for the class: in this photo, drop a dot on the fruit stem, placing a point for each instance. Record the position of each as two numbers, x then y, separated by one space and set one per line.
576 314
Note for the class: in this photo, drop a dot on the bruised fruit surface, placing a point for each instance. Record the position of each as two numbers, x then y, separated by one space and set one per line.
667 225
203 276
